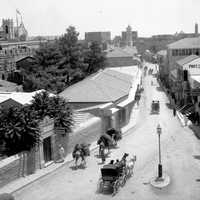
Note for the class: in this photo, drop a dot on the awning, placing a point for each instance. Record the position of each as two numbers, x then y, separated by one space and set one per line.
196 78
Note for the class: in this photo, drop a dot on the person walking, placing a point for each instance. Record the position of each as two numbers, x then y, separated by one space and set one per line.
174 111
61 153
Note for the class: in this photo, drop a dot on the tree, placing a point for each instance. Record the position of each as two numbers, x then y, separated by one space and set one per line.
73 60
18 129
55 107
48 55
19 132
95 58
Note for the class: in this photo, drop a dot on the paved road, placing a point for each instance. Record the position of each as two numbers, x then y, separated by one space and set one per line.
178 146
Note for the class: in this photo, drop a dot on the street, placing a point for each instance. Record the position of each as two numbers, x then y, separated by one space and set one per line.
178 148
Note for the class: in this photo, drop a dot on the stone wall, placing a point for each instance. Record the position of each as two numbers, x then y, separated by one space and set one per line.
88 133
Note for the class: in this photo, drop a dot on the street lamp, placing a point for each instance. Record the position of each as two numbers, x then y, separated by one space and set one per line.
159 131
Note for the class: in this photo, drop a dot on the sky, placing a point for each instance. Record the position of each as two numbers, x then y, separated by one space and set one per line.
148 17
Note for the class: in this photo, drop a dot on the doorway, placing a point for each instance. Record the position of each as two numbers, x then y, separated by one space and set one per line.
47 149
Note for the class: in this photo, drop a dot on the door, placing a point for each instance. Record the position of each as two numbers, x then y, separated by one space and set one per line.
47 149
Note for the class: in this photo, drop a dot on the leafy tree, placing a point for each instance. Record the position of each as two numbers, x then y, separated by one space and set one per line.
55 107
61 63
73 59
18 129
95 58
47 55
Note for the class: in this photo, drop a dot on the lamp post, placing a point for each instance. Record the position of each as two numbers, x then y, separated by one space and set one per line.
159 131
162 180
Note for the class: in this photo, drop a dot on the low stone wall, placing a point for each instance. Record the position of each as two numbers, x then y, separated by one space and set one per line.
9 172
87 133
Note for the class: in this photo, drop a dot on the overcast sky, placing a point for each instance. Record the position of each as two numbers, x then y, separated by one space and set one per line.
148 17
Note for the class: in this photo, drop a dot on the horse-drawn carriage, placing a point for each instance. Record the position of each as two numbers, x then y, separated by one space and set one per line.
115 134
108 140
115 175
155 107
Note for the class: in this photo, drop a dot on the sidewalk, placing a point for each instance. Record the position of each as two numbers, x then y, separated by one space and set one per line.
24 181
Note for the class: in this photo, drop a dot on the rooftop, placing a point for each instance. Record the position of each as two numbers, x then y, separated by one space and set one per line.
118 52
20 97
7 86
187 59
188 43
104 86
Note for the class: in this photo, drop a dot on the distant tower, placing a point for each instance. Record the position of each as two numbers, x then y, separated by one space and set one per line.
8 28
196 29
129 38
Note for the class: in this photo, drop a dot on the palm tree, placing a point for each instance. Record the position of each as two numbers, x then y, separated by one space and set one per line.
19 132
55 107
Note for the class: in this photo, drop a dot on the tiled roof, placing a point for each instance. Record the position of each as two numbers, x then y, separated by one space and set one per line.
185 43
104 86
187 59
118 52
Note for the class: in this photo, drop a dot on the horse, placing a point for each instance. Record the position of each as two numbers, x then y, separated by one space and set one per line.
103 144
130 165
77 155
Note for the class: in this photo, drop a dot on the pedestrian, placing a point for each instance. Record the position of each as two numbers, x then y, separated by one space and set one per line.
61 153
174 111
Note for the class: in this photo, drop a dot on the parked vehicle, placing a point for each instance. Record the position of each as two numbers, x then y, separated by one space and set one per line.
155 107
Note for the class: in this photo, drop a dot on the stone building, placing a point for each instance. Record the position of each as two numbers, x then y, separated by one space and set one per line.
129 37
10 32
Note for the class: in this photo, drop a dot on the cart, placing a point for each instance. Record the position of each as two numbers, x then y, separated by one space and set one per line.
111 178
155 107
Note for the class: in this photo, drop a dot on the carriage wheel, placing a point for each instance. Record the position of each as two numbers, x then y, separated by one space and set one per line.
116 187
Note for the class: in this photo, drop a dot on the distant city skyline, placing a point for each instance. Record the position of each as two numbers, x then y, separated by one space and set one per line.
148 17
